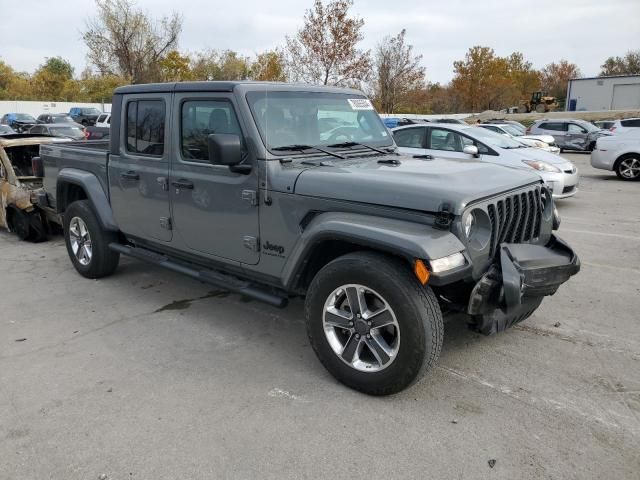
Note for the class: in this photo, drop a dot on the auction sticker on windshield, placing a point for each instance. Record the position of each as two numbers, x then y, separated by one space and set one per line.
360 104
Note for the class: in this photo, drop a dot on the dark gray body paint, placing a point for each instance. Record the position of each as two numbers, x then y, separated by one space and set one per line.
359 200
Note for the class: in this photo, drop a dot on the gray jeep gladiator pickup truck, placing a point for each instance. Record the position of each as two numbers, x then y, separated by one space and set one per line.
275 191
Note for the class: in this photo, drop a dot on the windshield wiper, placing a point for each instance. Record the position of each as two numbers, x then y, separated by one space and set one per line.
302 148
355 144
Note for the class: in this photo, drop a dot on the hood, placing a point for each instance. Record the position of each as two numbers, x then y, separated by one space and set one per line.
543 138
413 184
542 155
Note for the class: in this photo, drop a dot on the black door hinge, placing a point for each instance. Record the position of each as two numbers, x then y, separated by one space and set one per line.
165 222
251 243
250 196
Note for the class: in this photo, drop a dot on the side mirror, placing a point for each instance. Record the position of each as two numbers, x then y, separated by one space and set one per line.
470 150
225 149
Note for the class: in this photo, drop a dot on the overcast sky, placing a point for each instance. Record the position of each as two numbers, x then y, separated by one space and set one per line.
582 31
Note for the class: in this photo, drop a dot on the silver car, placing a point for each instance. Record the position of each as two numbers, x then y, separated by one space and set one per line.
569 134
545 142
464 143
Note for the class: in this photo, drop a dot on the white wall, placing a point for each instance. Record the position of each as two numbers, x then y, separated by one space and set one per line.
37 108
597 93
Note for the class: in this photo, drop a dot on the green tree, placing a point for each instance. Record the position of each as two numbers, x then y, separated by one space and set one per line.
175 67
627 65
49 79
268 66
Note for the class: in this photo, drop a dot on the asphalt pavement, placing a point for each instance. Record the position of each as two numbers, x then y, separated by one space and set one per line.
151 375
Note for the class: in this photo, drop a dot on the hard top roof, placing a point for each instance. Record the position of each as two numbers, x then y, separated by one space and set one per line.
222 86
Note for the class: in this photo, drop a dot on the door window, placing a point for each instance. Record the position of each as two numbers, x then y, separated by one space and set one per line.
410 137
560 127
447 140
199 119
145 127
573 128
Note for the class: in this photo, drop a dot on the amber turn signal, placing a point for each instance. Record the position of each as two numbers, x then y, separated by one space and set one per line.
421 272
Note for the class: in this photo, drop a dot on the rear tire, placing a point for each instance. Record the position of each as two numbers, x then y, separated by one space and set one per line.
385 291
88 242
628 167
541 108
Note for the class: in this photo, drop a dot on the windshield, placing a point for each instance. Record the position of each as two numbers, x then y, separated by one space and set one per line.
66 131
589 127
511 130
491 138
63 119
23 117
316 119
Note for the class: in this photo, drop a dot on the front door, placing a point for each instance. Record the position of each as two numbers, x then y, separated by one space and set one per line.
215 210
576 137
445 143
138 177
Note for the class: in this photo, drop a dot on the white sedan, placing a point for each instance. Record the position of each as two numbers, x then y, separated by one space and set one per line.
620 153
465 142
545 142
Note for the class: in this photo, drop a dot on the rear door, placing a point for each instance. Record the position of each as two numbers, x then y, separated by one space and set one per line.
557 130
576 137
138 176
215 210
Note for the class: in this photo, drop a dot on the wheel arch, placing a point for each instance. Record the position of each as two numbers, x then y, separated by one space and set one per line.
331 235
73 184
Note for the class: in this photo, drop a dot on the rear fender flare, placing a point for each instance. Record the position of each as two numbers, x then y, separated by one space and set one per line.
402 238
94 191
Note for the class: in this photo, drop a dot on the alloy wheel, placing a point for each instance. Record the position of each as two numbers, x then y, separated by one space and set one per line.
80 241
629 168
361 328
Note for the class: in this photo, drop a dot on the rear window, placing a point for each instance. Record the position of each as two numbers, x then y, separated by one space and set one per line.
560 127
65 131
634 122
145 127
101 118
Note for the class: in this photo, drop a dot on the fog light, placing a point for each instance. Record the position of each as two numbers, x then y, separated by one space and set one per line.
447 263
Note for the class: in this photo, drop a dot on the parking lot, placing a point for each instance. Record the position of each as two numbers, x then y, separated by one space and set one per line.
148 374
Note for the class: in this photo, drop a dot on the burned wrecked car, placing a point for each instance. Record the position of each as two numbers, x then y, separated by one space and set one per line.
21 183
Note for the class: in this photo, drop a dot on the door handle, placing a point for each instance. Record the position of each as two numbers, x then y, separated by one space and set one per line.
183 184
130 175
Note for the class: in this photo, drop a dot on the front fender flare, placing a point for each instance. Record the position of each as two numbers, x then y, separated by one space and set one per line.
398 237
95 193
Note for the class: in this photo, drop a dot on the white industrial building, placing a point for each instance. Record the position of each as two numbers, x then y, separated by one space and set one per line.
619 92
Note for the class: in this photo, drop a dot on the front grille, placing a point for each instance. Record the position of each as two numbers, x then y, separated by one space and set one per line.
515 218
568 189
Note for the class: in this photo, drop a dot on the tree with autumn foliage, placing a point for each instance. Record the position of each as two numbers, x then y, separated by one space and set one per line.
268 66
397 73
627 65
556 76
325 50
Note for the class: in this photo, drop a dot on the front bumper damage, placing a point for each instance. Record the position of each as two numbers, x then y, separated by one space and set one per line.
513 288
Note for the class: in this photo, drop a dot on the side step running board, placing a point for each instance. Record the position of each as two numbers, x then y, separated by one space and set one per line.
220 280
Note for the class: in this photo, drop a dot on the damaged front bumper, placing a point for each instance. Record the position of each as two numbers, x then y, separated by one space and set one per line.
513 289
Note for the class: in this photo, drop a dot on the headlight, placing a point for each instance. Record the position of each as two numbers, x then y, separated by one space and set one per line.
541 166
469 223
447 263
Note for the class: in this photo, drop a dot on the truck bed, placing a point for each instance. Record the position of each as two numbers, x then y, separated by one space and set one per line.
91 156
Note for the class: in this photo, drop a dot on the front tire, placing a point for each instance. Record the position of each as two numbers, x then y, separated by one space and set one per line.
88 243
371 323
